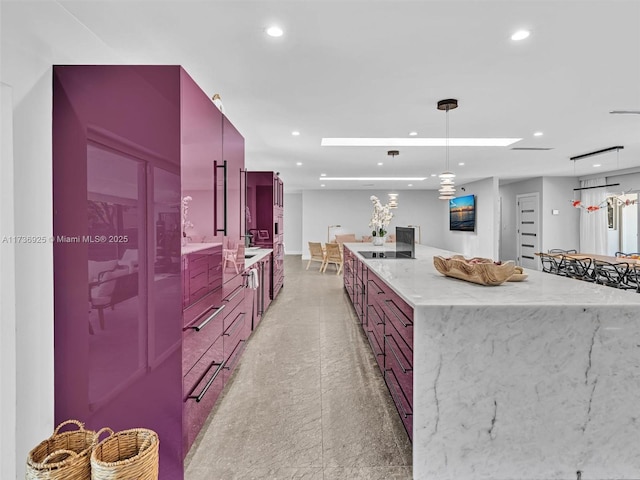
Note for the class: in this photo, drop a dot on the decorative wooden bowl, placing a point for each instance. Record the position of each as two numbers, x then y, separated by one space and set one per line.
482 271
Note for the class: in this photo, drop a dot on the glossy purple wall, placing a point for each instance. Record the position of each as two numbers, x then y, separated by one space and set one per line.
117 301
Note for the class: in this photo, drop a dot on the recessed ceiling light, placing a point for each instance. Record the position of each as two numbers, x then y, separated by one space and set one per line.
295 133
323 174
597 165
274 31
418 142
298 163
380 163
410 185
520 35
323 185
433 175
374 179
461 164
538 134
413 134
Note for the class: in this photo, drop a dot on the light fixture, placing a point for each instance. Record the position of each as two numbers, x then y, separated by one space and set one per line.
410 185
417 142
323 185
461 164
298 163
393 197
538 134
274 31
380 164
376 179
520 35
295 133
323 174
597 165
413 134
433 175
447 190
329 230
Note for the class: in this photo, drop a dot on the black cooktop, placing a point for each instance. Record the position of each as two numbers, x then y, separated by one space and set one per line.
385 254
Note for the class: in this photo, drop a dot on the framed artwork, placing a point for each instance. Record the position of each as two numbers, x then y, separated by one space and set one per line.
612 213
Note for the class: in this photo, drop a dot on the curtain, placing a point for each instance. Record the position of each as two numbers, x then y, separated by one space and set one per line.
593 225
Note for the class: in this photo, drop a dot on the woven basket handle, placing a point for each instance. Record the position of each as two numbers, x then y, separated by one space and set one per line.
101 431
70 453
79 424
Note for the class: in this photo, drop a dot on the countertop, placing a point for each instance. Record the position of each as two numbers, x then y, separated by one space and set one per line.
195 247
259 254
420 284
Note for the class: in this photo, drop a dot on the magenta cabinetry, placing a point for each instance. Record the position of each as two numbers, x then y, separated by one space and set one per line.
144 336
387 321
265 202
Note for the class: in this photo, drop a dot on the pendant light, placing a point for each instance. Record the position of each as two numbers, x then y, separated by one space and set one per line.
393 197
447 185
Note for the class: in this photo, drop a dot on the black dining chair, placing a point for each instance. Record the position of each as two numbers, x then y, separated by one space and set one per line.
552 263
612 274
579 268
561 251
627 255
633 277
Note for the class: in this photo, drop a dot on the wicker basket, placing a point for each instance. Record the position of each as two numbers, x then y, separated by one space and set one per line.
126 455
63 456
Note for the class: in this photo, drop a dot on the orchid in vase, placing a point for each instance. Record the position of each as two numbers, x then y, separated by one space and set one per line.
380 218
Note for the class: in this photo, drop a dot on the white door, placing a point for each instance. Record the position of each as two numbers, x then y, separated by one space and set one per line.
528 230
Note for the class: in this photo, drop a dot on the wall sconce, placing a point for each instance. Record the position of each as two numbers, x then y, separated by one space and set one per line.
419 232
329 230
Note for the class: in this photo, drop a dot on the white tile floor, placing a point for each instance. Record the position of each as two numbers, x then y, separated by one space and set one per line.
307 400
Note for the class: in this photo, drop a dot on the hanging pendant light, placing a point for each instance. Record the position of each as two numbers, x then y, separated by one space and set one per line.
393 197
447 184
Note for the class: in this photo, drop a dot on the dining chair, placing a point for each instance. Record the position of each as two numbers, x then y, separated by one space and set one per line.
317 254
559 250
627 255
334 255
612 274
553 263
579 268
633 277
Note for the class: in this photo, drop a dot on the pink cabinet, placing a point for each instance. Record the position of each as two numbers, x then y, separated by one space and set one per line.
144 336
265 222
387 321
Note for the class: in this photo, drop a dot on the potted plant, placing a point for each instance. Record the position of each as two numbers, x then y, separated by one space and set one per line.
380 220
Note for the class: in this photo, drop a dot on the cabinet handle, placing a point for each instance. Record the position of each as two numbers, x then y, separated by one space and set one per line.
387 302
395 396
199 327
235 293
201 395
236 324
215 197
379 292
395 354
236 354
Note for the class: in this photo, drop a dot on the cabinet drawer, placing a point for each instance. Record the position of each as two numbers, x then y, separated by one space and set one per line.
201 388
195 383
233 292
197 312
395 311
200 334
402 402
399 355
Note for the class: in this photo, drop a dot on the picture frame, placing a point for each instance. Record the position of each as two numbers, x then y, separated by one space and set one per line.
612 213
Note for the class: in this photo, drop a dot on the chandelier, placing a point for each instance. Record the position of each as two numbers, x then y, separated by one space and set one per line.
447 189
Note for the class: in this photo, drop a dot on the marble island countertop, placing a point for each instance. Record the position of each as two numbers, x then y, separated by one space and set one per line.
196 247
526 380
419 283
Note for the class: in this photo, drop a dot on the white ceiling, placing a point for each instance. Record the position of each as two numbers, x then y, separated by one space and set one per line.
377 69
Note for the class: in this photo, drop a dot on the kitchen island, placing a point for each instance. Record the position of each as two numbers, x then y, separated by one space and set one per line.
537 379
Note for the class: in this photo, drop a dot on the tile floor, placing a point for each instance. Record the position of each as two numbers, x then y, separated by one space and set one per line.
307 400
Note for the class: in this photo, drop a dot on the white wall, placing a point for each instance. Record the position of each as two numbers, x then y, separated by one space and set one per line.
562 230
7 292
34 36
484 241
352 210
293 223
508 223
